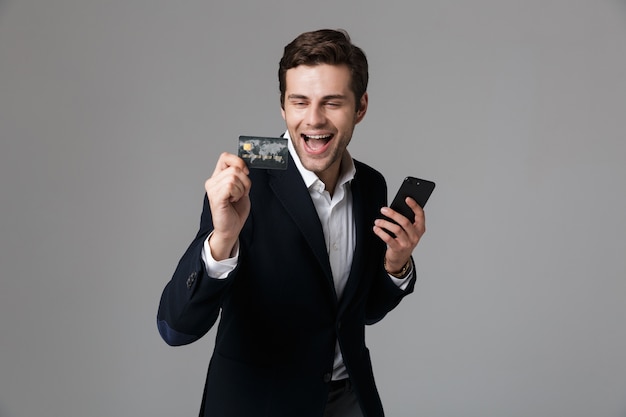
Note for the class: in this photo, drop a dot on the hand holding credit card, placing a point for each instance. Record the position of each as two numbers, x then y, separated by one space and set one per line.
264 152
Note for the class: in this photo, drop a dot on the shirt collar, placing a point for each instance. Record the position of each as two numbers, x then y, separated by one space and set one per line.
310 178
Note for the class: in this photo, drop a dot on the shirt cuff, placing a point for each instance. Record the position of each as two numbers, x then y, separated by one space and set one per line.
218 269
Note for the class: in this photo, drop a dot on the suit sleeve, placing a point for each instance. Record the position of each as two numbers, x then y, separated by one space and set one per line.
191 301
384 295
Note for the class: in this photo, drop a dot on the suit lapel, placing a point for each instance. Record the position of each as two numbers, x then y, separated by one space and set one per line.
356 270
289 188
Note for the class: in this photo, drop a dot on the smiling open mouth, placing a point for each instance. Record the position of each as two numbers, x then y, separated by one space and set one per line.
317 142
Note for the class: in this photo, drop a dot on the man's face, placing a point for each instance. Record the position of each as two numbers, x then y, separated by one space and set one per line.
320 112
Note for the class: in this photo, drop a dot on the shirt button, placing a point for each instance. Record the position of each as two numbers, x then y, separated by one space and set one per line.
335 247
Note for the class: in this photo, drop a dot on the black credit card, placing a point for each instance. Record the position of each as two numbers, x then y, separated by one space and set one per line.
264 152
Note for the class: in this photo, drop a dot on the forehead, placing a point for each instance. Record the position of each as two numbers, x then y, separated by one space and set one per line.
323 79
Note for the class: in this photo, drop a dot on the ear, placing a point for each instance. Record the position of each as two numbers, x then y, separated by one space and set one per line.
360 113
282 112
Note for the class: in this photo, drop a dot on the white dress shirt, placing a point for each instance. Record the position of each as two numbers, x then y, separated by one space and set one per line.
336 216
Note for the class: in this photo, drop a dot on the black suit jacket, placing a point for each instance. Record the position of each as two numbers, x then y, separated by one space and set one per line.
280 316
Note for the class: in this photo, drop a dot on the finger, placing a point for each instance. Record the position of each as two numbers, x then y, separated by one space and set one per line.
228 185
384 235
419 223
396 217
389 226
407 234
228 160
417 209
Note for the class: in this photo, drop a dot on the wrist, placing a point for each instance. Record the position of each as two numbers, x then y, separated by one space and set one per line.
400 273
221 248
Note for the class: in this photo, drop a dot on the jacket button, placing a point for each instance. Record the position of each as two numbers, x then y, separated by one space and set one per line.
327 377
191 279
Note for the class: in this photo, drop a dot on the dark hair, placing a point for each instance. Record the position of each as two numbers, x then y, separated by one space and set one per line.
325 46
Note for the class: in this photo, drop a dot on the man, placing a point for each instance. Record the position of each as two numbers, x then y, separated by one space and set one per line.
297 260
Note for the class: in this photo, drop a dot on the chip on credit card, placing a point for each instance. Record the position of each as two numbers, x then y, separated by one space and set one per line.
264 152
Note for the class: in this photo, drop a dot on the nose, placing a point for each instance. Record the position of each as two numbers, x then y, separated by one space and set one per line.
315 116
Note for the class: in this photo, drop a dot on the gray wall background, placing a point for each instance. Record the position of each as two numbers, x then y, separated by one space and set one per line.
113 113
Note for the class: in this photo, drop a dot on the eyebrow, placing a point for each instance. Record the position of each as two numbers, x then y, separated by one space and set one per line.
328 97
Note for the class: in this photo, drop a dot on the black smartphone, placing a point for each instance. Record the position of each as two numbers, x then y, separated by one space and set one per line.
416 188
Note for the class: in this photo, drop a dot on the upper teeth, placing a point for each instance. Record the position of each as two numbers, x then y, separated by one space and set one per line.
317 136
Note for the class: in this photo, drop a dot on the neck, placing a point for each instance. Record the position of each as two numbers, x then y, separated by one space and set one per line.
330 178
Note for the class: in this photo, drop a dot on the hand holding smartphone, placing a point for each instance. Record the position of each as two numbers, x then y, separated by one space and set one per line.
416 188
